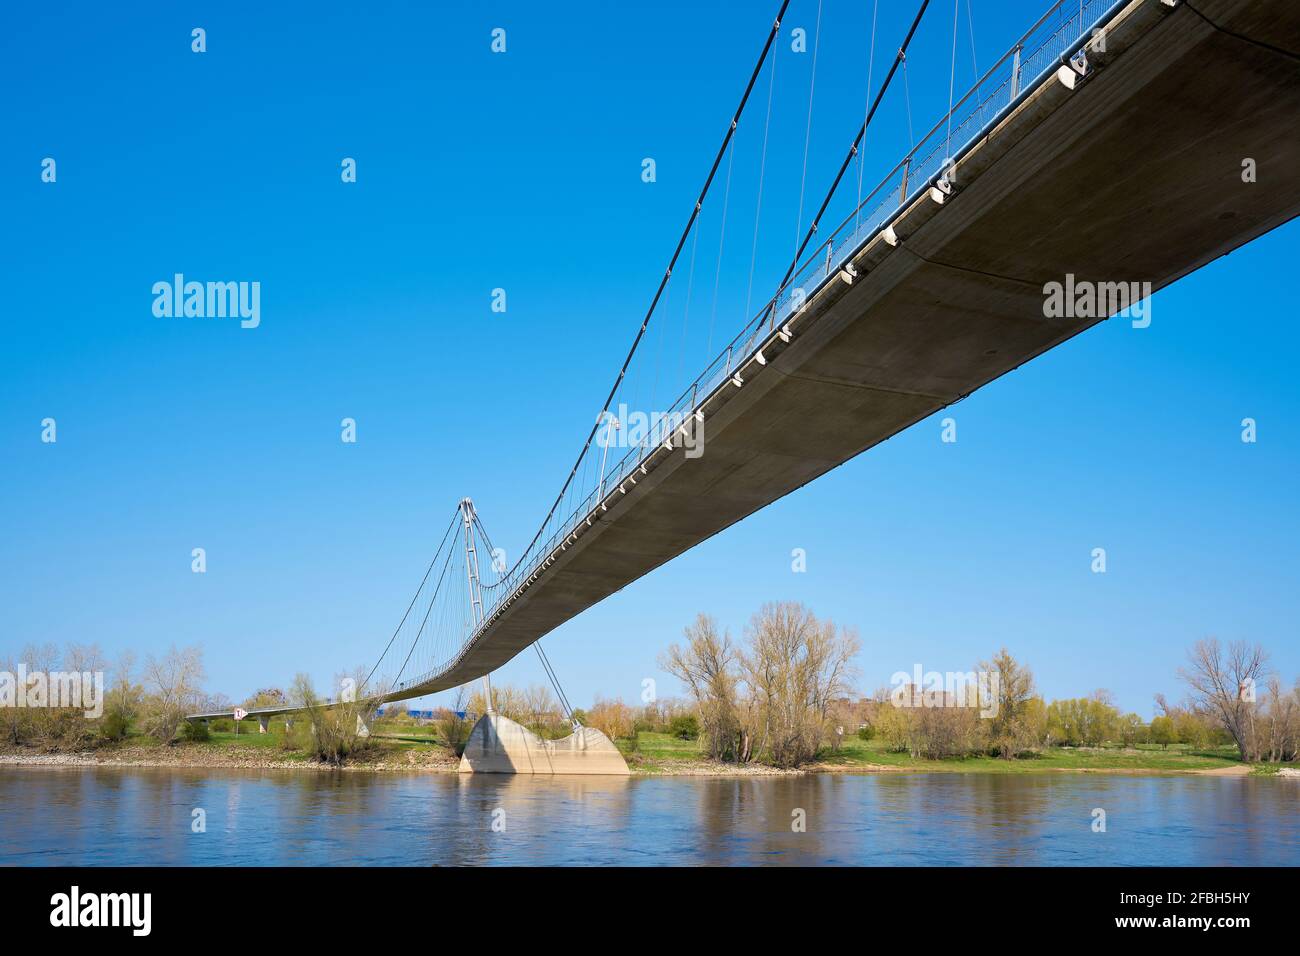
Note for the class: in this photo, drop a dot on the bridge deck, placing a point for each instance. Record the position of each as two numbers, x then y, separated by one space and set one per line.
1133 175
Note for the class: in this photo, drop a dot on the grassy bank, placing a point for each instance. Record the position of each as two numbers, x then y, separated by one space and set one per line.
855 753
414 747
660 753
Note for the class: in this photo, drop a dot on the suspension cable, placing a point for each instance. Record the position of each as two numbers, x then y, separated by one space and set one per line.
537 645
970 31
807 136
645 323
871 63
762 172
952 76
907 98
555 681
722 238
420 632
853 150
413 599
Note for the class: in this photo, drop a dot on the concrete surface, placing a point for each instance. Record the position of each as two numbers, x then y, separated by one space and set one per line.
499 745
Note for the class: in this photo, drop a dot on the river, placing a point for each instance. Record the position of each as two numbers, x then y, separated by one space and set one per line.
112 816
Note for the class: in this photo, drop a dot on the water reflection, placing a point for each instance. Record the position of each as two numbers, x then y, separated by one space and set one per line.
131 816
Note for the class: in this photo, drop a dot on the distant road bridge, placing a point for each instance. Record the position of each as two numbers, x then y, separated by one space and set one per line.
1107 146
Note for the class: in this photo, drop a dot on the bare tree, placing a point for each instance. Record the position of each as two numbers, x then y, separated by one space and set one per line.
1280 729
707 665
172 685
454 729
613 718
794 667
507 701
336 725
396 711
1224 686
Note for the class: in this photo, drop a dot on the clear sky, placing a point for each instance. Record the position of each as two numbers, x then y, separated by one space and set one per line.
523 171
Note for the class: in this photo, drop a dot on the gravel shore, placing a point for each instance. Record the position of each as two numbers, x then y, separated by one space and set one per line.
235 758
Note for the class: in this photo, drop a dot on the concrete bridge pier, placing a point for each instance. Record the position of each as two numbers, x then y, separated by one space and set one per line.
362 729
262 724
499 745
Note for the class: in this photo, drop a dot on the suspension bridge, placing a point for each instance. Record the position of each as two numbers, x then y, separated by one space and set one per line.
1119 143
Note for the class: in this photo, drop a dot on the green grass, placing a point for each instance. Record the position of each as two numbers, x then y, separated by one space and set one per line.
404 729
1268 769
659 752
654 746
856 752
656 751
267 741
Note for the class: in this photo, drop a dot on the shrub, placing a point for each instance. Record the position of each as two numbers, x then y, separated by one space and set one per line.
684 727
114 726
613 718
866 732
195 732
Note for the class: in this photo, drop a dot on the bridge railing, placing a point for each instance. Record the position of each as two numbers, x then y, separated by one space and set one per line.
1056 34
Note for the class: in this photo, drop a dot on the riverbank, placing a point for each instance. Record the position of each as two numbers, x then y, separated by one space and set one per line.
651 755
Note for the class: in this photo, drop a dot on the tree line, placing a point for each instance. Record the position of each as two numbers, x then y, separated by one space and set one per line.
781 695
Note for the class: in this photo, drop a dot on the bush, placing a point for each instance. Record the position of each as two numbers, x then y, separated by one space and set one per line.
114 726
684 727
195 732
866 732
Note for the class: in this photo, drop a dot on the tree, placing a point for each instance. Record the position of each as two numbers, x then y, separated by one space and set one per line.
892 724
507 701
336 724
123 699
1084 721
172 688
1191 728
1132 730
396 711
453 729
684 727
613 718
1008 732
1279 730
543 712
1224 686
794 667
707 665
267 697
942 732
1161 731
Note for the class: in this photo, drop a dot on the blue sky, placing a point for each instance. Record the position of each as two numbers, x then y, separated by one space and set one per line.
523 171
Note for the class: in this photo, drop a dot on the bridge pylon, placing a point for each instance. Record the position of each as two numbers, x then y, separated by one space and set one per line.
498 744
475 587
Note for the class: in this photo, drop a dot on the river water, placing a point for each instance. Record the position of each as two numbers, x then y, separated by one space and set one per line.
103 816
